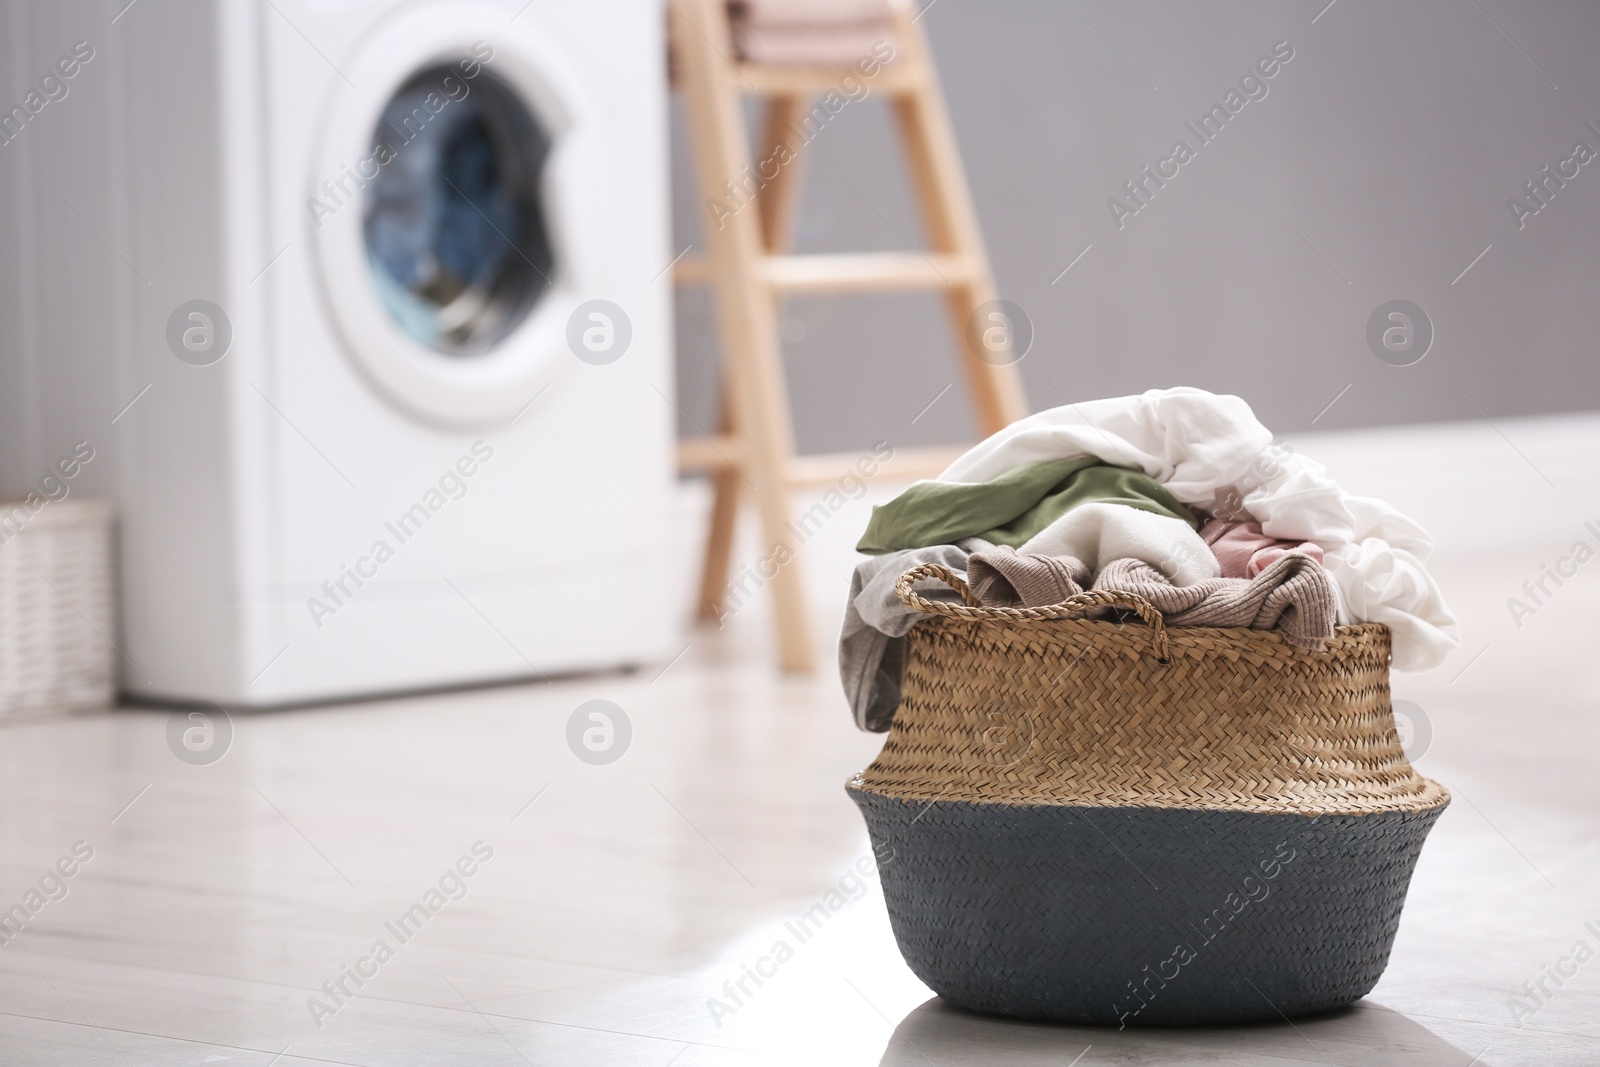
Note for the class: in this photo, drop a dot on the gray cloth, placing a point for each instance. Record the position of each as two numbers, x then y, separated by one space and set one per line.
872 642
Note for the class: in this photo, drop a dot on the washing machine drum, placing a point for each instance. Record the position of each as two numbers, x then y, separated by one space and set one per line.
453 223
488 180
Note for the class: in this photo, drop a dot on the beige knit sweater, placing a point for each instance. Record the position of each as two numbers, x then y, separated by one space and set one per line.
1294 595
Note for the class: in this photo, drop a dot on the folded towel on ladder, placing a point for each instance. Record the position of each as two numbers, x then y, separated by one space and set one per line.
833 33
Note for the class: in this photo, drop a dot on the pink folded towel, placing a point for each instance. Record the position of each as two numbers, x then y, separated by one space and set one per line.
812 12
1244 551
810 46
833 33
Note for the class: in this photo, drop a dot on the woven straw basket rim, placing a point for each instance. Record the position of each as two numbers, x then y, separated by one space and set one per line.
1033 707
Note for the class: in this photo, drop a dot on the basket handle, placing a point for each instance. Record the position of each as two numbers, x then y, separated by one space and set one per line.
973 611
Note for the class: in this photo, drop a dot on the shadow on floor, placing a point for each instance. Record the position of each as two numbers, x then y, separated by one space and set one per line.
1366 1035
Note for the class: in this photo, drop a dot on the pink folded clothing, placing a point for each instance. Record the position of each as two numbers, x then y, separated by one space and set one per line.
811 46
1244 551
811 12
834 33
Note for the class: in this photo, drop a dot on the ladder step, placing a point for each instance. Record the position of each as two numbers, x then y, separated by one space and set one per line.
905 465
866 271
863 271
706 454
757 80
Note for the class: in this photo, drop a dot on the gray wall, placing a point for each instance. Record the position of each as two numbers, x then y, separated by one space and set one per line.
1382 160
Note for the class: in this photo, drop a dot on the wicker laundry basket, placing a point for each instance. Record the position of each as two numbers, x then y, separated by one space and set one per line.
57 608
1115 823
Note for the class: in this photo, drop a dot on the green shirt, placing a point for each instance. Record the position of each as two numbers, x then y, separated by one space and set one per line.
1012 508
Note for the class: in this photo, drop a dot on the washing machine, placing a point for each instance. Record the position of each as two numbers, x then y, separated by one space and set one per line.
363 309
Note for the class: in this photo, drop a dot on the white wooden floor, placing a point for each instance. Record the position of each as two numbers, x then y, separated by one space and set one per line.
618 899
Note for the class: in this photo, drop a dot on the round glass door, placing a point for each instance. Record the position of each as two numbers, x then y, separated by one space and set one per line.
454 229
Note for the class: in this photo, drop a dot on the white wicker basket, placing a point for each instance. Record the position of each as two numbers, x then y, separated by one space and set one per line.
57 608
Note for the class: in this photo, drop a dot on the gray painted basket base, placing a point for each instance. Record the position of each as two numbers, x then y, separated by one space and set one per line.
1142 916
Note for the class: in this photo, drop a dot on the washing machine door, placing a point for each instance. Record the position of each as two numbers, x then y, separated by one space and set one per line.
457 205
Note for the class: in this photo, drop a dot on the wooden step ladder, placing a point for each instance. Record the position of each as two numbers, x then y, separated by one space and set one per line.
750 268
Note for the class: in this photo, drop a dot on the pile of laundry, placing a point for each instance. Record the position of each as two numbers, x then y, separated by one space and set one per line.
1178 495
